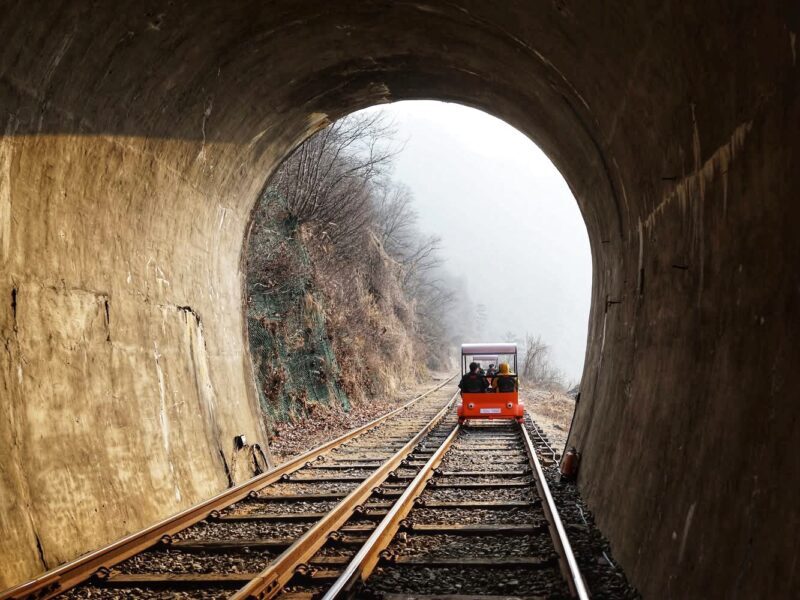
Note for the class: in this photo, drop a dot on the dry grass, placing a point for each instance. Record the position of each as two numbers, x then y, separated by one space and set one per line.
374 349
552 411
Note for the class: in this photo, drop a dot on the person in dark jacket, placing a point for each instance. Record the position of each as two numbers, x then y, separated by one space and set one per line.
473 382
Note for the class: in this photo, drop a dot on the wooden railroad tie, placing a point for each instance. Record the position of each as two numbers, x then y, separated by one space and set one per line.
481 485
298 497
332 479
485 485
176 580
338 466
534 562
299 516
488 504
232 545
475 529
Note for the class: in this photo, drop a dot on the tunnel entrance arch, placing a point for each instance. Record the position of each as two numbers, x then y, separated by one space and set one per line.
439 218
136 140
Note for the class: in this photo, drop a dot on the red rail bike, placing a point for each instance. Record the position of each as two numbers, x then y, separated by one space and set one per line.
500 400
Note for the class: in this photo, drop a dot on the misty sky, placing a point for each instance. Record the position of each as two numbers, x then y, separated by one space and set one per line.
508 222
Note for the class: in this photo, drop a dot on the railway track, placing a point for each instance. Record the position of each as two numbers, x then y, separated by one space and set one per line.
542 443
408 506
243 534
477 520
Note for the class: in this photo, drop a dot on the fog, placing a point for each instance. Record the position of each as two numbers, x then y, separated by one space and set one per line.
508 222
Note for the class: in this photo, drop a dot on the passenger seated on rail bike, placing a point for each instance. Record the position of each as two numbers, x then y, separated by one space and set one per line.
473 382
491 372
505 380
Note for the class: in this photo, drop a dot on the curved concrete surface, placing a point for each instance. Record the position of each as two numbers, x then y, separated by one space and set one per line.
138 135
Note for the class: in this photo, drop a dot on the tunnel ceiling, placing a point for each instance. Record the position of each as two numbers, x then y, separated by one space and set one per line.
138 135
577 80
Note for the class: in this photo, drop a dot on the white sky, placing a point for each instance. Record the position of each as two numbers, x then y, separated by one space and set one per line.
508 222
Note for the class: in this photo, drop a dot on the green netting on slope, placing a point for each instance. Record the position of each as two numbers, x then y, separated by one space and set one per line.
293 358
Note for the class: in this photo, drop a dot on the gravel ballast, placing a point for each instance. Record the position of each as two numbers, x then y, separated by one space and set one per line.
475 495
545 582
472 546
90 591
175 561
478 515
289 488
248 507
243 530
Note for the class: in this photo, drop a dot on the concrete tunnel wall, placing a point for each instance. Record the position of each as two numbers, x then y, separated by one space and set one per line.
138 135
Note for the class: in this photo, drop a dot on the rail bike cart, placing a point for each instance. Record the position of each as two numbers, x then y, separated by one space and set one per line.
490 404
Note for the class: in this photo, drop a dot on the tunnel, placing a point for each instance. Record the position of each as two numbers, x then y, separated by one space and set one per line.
138 136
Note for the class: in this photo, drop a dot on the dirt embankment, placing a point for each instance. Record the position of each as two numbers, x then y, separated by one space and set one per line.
324 333
327 422
552 411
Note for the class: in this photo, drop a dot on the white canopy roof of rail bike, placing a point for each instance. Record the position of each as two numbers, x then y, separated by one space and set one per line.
490 348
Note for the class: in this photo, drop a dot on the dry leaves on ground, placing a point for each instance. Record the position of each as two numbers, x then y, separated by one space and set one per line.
326 423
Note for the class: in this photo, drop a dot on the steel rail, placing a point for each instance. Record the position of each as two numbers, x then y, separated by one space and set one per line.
540 435
70 574
271 580
543 440
364 562
566 558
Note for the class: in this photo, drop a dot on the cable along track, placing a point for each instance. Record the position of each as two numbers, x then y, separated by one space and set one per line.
258 531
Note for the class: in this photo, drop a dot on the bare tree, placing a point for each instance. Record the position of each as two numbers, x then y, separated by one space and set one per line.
536 366
395 217
481 318
422 276
395 225
366 249
272 264
327 182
